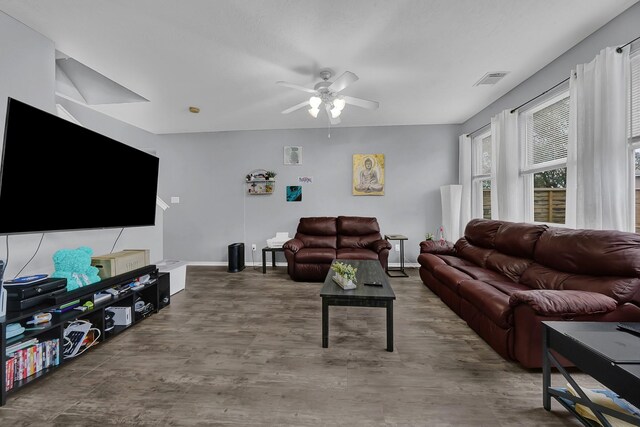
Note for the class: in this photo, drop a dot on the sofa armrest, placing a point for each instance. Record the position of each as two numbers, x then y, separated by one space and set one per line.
437 247
563 303
294 245
380 245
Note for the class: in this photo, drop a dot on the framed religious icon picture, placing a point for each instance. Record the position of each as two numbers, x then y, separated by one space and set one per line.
368 175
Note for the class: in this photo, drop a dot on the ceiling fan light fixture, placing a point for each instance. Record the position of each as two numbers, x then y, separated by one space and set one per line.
335 112
314 112
315 102
339 103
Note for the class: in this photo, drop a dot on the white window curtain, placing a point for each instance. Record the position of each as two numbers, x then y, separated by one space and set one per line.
506 200
600 188
464 179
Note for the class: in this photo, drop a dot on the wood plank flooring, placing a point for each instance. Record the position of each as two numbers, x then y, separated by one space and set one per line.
244 349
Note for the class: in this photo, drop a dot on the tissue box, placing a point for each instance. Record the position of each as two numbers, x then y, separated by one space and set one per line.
280 239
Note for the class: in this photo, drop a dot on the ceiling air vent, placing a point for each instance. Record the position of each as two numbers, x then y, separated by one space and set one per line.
491 78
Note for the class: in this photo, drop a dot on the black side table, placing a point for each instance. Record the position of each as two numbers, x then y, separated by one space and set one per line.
273 257
400 270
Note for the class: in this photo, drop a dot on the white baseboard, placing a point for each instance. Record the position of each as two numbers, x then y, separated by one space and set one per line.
279 264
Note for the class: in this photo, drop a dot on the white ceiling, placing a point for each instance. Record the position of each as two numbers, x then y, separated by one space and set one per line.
418 58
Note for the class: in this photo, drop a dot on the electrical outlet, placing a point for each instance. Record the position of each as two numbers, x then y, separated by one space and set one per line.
397 247
253 247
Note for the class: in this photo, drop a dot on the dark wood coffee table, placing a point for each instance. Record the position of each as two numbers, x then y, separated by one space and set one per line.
598 349
362 296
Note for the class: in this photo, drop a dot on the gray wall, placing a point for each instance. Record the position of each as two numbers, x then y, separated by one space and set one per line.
620 30
27 73
207 172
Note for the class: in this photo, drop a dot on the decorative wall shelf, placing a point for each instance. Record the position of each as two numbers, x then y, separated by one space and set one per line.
260 182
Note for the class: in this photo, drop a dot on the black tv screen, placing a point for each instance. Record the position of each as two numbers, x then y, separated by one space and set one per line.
56 175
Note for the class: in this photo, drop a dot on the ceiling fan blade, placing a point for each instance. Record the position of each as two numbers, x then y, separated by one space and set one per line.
296 107
295 86
343 81
362 103
333 121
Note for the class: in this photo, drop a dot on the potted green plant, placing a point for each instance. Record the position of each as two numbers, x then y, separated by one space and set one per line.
345 275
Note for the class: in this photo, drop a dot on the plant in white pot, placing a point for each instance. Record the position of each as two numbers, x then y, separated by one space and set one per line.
345 275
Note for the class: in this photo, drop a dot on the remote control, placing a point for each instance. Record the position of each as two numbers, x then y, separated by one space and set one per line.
630 327
373 284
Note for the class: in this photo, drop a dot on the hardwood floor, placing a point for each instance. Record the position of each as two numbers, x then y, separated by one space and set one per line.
245 349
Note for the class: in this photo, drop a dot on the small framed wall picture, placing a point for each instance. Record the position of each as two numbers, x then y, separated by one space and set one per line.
294 193
292 155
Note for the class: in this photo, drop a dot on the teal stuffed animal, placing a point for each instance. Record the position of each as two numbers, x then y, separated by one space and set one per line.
75 266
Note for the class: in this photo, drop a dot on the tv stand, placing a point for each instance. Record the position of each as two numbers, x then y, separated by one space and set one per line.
54 330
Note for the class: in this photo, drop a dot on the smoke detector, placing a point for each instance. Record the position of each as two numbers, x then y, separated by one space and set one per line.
491 78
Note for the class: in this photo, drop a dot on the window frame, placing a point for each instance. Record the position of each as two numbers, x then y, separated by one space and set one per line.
527 171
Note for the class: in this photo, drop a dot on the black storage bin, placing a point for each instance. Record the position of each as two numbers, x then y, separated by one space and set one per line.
236 257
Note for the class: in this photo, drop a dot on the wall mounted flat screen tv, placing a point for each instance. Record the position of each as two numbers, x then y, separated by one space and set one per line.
56 175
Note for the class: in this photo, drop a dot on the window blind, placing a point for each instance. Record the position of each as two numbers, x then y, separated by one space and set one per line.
547 131
635 90
486 155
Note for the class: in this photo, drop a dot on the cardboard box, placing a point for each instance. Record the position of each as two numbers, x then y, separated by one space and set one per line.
110 265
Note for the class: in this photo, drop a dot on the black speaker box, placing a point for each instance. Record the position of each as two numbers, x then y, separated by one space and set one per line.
164 290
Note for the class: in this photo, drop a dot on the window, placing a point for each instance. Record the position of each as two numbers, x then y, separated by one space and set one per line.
634 124
635 94
481 176
545 135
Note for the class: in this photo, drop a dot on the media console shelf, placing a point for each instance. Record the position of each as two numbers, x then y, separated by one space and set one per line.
153 292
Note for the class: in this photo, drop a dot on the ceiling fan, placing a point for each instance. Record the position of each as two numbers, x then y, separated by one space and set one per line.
328 93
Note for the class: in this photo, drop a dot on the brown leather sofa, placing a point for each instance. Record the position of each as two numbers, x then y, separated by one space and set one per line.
505 278
320 240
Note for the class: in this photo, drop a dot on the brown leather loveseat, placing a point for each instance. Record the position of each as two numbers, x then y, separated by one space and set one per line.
505 278
320 240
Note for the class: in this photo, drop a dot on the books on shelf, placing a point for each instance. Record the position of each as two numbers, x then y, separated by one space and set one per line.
29 360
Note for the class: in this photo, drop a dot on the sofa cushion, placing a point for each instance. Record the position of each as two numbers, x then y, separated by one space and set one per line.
315 255
360 241
488 300
482 232
450 276
474 254
318 226
430 261
454 261
507 288
437 247
483 274
590 252
622 289
518 239
540 277
564 303
509 266
357 226
314 241
354 253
